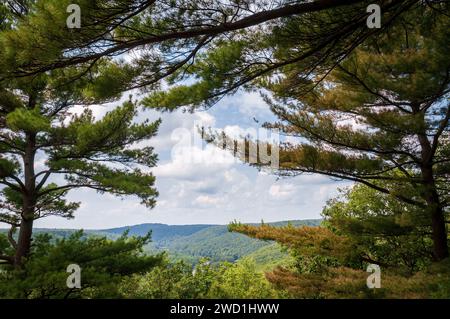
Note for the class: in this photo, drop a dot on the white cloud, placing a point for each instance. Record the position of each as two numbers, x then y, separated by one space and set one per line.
202 184
281 191
205 200
250 104
192 162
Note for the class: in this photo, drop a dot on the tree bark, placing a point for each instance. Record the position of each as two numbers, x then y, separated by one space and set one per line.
439 231
24 242
431 196
29 202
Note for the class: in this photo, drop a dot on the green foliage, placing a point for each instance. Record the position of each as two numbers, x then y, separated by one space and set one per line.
348 283
176 280
212 70
40 117
181 281
379 116
270 256
25 120
192 243
313 249
78 150
215 243
113 77
5 246
160 232
104 264
385 231
393 88
242 280
7 167
361 226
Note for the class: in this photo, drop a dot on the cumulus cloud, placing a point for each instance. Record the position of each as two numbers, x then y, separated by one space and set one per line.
250 104
200 183
281 191
205 200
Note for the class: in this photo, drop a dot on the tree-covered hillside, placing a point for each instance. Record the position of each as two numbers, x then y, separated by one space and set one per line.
194 242
217 243
159 231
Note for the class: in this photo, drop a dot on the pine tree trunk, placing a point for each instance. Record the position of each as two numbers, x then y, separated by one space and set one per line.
29 202
439 235
439 231
24 241
431 195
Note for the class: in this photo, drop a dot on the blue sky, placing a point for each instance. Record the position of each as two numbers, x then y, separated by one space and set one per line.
204 185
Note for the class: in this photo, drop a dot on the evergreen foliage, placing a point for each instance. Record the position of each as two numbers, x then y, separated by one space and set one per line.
379 117
104 265
48 118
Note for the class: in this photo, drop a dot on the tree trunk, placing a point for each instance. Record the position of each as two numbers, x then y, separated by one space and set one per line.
439 231
439 235
431 196
24 241
29 202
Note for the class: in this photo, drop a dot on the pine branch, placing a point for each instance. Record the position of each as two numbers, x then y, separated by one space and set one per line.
187 33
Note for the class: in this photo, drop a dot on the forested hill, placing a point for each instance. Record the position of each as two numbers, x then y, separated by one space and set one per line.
163 231
192 242
159 231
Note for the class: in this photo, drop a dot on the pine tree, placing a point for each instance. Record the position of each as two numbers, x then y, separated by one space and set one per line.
38 124
382 108
104 265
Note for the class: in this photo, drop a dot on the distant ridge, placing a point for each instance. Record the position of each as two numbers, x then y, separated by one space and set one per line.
163 231
193 242
159 231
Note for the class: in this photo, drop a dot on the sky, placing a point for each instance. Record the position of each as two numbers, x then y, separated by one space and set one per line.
200 184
